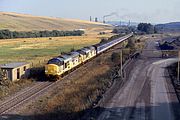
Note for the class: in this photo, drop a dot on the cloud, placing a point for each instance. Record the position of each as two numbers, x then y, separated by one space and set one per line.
134 17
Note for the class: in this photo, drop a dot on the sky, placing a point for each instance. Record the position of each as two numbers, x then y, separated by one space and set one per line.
153 11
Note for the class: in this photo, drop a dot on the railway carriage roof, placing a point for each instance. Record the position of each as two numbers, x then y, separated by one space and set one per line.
66 57
81 52
90 47
74 54
86 50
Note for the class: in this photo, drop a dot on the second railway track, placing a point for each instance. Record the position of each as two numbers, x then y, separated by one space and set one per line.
28 94
24 96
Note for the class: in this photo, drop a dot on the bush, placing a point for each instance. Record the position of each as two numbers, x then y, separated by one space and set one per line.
131 44
37 73
1 75
72 49
104 40
102 33
115 57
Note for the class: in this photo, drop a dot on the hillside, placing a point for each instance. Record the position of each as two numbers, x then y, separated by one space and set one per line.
22 22
169 27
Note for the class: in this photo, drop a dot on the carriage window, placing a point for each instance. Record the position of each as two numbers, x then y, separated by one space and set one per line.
65 65
24 68
73 61
87 55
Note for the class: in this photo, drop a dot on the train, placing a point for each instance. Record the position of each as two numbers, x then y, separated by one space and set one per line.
61 65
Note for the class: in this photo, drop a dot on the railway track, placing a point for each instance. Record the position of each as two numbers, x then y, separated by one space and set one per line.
28 94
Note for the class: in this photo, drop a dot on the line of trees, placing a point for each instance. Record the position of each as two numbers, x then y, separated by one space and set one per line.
7 34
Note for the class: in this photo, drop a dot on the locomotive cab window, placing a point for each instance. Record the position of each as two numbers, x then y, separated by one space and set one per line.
55 61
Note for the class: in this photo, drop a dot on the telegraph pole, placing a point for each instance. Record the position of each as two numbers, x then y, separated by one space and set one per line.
178 68
122 64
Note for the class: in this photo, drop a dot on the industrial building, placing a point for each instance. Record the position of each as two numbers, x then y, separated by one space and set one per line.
15 71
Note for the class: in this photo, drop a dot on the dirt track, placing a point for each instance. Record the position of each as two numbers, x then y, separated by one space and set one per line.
147 93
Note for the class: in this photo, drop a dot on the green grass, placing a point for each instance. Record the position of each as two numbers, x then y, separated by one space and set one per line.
7 54
40 49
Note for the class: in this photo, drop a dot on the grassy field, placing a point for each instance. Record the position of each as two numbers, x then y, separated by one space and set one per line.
41 49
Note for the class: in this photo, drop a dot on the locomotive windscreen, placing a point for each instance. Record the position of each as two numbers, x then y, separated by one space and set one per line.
55 61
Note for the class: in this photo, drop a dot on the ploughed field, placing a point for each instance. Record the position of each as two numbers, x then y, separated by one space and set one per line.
24 22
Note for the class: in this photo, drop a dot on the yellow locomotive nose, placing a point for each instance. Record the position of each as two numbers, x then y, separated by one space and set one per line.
51 69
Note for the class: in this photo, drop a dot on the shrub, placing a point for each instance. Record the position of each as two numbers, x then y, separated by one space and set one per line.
131 44
1 75
37 73
115 57
146 27
103 40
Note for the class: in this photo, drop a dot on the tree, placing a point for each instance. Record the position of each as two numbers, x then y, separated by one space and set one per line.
115 31
6 34
146 27
131 44
96 19
103 40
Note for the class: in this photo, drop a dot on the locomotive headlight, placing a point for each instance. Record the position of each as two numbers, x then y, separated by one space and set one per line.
56 70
